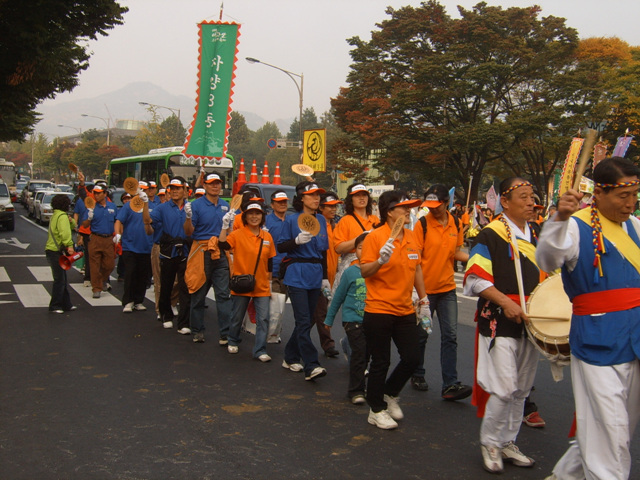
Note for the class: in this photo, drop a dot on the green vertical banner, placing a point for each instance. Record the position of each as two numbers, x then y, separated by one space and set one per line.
209 131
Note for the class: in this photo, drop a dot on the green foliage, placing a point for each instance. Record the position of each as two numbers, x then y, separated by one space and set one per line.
169 133
309 122
43 51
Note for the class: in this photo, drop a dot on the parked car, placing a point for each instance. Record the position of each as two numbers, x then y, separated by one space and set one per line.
44 212
115 195
63 187
7 210
31 187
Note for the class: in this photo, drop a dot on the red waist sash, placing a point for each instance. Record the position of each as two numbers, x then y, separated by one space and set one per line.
606 301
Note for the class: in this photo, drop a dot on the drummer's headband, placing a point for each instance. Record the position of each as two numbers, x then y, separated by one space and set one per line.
514 186
618 185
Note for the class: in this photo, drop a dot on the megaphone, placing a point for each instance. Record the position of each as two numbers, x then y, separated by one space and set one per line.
66 261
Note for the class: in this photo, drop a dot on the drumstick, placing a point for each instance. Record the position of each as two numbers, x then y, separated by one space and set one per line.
549 317
585 156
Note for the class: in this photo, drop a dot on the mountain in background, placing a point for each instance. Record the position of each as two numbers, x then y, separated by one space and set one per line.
123 104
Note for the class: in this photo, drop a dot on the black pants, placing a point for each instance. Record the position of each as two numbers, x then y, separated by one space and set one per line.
137 268
380 329
60 299
169 269
359 358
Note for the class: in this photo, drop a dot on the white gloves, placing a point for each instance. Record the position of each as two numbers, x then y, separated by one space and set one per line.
326 289
187 209
116 238
424 309
303 237
227 220
143 196
385 252
90 217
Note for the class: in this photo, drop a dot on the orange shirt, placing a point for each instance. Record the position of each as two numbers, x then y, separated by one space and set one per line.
348 228
438 249
332 256
245 246
464 218
389 289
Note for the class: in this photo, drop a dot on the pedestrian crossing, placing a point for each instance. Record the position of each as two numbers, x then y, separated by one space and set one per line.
37 293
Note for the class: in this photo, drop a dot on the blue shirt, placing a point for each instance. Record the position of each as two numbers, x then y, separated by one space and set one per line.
134 238
170 218
207 217
275 226
305 275
103 218
157 224
351 291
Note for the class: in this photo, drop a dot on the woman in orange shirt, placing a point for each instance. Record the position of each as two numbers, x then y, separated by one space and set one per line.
391 269
359 218
253 245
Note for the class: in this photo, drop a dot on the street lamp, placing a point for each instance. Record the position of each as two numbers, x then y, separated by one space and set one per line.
79 130
299 87
106 122
173 110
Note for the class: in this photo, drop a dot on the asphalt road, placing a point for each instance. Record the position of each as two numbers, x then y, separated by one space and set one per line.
98 394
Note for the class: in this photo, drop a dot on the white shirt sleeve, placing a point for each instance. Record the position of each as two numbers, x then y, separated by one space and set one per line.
473 285
559 244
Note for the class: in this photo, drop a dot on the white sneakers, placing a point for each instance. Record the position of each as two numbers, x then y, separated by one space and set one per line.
264 358
382 419
232 349
316 373
128 308
493 457
393 407
184 331
511 453
168 324
294 367
138 307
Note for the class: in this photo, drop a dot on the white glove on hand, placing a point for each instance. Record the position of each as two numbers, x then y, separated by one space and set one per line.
303 237
143 196
424 309
90 217
228 219
385 253
187 209
116 238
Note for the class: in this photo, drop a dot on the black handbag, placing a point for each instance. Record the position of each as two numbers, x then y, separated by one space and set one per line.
247 282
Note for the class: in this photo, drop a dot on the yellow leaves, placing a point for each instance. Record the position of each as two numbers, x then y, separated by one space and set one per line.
609 50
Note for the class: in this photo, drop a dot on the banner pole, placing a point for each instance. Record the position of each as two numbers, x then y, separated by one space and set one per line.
469 191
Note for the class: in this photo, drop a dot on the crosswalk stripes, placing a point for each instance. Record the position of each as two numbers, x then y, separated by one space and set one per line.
105 300
33 295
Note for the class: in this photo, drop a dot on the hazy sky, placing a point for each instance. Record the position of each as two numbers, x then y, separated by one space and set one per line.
159 43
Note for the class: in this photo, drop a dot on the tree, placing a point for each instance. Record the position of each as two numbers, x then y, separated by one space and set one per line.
431 90
43 50
239 137
309 122
169 133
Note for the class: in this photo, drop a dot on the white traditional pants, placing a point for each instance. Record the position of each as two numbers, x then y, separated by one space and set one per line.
607 412
506 372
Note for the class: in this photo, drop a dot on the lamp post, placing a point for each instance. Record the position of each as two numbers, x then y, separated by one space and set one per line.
173 110
106 121
300 87
79 130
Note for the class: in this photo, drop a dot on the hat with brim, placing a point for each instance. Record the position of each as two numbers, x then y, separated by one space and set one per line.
162 191
98 188
358 188
175 182
432 201
254 206
200 191
279 197
152 184
213 177
331 200
143 185
312 188
404 202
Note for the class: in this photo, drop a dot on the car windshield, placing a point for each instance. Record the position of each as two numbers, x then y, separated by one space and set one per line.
34 186
49 196
4 191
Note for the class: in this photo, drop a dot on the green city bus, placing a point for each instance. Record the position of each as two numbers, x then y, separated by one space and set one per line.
170 161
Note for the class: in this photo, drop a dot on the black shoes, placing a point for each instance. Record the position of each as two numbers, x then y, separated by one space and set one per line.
419 383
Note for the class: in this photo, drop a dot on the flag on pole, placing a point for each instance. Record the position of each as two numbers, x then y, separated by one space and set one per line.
209 131
566 179
491 199
498 206
452 197
621 146
599 153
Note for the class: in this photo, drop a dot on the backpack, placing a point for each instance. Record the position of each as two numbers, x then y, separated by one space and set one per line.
423 222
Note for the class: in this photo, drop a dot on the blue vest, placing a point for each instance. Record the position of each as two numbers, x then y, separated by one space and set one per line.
611 338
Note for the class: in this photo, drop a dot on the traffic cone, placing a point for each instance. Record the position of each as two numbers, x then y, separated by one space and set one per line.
265 173
242 177
276 176
253 178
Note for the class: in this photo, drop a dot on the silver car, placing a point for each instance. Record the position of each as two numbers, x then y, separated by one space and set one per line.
43 206
7 210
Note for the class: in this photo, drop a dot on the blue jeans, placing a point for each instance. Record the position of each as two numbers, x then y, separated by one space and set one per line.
445 305
300 347
240 304
217 272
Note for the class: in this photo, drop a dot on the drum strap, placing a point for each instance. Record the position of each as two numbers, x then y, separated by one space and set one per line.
606 301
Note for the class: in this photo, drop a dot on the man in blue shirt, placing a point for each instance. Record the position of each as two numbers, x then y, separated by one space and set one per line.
102 255
274 224
204 221
136 256
174 247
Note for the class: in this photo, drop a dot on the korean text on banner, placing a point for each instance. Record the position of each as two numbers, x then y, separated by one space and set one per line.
314 151
566 180
621 146
209 130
